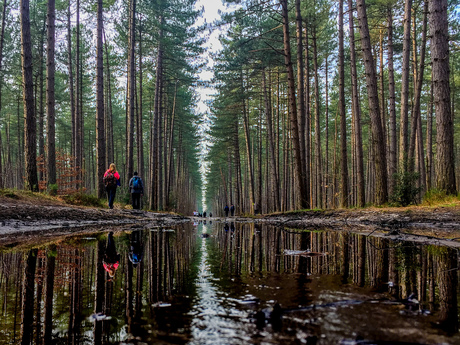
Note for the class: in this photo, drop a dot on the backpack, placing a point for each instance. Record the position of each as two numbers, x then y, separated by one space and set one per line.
110 180
136 183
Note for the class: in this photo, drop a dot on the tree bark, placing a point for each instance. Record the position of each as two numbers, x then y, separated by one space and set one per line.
302 199
356 112
381 192
71 82
403 134
50 97
445 170
318 168
301 112
271 141
343 116
2 39
100 127
131 92
393 162
30 130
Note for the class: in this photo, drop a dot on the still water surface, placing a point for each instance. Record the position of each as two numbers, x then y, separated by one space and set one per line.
229 284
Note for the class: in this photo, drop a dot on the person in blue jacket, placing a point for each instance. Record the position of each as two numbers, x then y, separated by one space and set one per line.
136 188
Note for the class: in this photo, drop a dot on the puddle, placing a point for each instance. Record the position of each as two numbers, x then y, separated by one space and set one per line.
229 284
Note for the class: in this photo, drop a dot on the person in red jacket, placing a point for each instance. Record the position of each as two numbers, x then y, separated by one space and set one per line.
111 181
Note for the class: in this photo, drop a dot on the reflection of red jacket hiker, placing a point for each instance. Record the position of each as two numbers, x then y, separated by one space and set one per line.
110 267
111 258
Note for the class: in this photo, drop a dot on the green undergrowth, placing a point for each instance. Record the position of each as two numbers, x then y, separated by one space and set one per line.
82 199
440 198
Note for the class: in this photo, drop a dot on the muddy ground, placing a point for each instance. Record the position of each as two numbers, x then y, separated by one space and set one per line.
29 219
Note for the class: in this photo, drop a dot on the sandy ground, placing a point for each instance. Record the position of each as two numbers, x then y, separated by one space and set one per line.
29 219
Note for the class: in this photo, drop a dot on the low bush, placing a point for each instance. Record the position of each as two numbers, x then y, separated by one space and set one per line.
82 199
437 196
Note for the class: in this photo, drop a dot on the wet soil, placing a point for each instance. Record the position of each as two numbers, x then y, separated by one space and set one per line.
25 219
29 219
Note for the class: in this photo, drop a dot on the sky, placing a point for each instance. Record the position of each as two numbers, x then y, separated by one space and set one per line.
211 13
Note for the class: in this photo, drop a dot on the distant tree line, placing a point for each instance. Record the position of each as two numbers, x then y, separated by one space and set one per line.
101 82
324 104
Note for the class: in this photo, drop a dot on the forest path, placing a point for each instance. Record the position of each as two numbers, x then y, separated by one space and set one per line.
25 218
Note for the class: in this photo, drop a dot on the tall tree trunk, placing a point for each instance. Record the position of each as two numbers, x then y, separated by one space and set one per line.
78 111
416 117
302 199
50 97
381 192
156 114
108 121
301 112
271 142
71 82
319 168
248 147
445 169
307 124
393 162
30 130
41 103
429 142
356 112
100 127
404 121
2 40
131 92
343 115
140 130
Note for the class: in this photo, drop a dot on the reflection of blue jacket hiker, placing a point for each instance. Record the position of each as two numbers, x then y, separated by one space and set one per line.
226 227
136 248
136 188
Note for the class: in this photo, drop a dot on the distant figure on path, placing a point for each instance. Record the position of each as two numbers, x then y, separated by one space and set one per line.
232 210
136 188
226 209
111 181
111 257
204 214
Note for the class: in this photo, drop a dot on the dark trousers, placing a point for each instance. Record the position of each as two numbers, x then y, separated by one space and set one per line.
136 197
226 213
111 191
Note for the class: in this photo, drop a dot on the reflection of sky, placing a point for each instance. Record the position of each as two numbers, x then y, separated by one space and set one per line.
214 321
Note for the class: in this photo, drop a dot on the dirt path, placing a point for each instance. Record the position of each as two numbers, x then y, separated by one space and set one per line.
29 218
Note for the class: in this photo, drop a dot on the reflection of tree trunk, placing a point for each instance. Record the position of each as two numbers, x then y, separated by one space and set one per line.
423 276
38 297
253 249
27 317
361 260
346 258
49 287
382 264
100 293
448 281
75 299
129 295
140 283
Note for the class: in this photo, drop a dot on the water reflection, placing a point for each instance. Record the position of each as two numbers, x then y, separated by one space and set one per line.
226 284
